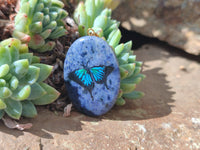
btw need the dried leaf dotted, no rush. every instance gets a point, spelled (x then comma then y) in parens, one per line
(67, 110)
(12, 124)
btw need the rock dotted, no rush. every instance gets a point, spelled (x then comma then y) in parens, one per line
(92, 75)
(167, 118)
(174, 21)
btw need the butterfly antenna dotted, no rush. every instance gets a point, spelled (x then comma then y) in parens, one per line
(87, 63)
(85, 66)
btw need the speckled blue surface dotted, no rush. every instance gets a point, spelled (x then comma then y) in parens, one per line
(92, 51)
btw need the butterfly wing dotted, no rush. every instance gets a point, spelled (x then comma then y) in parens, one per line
(83, 78)
(100, 73)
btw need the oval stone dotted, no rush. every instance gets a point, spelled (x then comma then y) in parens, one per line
(92, 76)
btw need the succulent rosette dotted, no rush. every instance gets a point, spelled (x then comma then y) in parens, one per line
(38, 22)
(94, 16)
(21, 81)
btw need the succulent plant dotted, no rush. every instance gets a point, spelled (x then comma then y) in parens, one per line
(107, 3)
(38, 22)
(21, 81)
(112, 4)
(91, 16)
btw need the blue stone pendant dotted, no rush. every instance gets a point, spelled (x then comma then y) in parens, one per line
(92, 76)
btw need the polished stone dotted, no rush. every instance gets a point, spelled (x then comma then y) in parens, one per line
(92, 76)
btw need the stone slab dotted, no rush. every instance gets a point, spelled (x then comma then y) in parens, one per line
(174, 21)
(167, 118)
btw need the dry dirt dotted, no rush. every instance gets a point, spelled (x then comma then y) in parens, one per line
(167, 118)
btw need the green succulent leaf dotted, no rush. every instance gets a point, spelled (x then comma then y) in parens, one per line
(114, 38)
(59, 31)
(36, 41)
(36, 92)
(13, 109)
(46, 19)
(134, 95)
(110, 29)
(39, 7)
(2, 105)
(2, 82)
(21, 36)
(120, 93)
(28, 56)
(23, 48)
(11, 42)
(123, 58)
(119, 49)
(28, 109)
(21, 93)
(49, 45)
(129, 67)
(49, 97)
(14, 82)
(127, 47)
(127, 87)
(100, 22)
(38, 17)
(4, 69)
(57, 3)
(36, 27)
(7, 77)
(20, 67)
(81, 17)
(134, 79)
(138, 64)
(45, 34)
(13, 52)
(5, 92)
(5, 57)
(1, 114)
(31, 76)
(45, 71)
(25, 7)
(137, 71)
(21, 21)
(120, 101)
(132, 59)
(123, 73)
(35, 59)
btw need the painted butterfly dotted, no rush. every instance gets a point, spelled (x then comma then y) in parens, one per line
(86, 77)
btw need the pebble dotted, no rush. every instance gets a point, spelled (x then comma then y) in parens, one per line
(92, 76)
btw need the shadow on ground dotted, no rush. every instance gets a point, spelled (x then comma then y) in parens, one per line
(156, 103)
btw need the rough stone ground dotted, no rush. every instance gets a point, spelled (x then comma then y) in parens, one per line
(168, 20)
(167, 118)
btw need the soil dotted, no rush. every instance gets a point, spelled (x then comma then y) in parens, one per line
(167, 118)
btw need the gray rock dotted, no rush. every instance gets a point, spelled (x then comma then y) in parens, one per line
(174, 21)
(167, 118)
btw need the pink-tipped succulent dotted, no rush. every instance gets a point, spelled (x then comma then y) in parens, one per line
(38, 22)
(21, 81)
